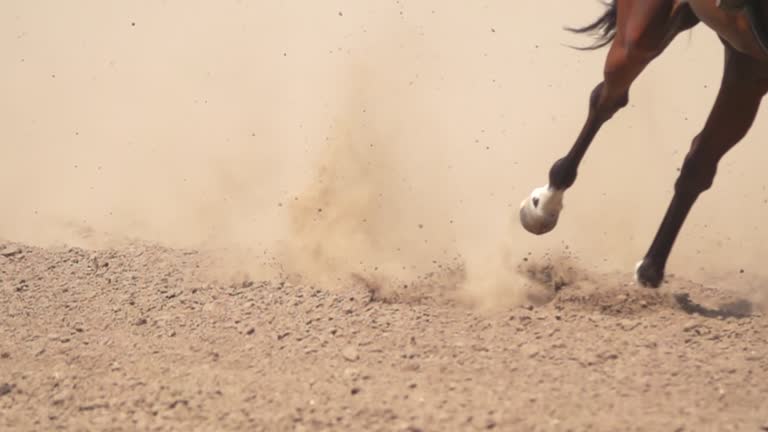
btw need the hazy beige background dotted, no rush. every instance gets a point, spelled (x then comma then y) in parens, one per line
(203, 123)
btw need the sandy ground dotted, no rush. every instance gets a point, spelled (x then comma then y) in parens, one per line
(295, 215)
(133, 339)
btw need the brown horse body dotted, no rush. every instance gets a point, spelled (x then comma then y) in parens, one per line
(638, 31)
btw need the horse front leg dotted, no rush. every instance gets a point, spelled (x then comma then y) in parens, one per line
(644, 28)
(540, 211)
(744, 83)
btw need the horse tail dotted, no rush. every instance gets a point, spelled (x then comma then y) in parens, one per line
(604, 27)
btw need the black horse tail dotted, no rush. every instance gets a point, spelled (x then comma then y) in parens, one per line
(604, 27)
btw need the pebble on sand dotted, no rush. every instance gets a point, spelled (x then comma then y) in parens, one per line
(9, 251)
(350, 353)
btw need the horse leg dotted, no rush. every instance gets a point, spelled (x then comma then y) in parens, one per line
(644, 28)
(743, 85)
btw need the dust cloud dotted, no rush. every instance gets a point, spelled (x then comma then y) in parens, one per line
(390, 139)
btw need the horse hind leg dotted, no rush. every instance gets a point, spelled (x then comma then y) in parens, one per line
(744, 83)
(642, 32)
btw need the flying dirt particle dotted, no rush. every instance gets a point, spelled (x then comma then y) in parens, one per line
(350, 353)
(421, 226)
(133, 24)
(140, 322)
(493, 30)
(741, 271)
(5, 355)
(341, 14)
(53, 75)
(6, 388)
(355, 390)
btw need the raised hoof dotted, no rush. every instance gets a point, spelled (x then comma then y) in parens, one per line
(648, 274)
(540, 211)
(536, 222)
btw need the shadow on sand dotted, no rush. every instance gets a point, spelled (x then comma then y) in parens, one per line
(735, 309)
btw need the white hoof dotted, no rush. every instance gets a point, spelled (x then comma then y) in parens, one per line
(539, 212)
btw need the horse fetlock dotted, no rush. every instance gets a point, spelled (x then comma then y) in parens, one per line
(563, 174)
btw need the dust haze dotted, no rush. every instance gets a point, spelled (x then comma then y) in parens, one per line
(389, 139)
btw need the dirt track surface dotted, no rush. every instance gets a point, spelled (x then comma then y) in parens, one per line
(136, 339)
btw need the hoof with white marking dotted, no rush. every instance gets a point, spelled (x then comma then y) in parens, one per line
(540, 211)
(648, 274)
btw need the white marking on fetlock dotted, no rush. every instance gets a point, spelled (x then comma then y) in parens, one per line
(540, 211)
(646, 283)
(637, 267)
(550, 200)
